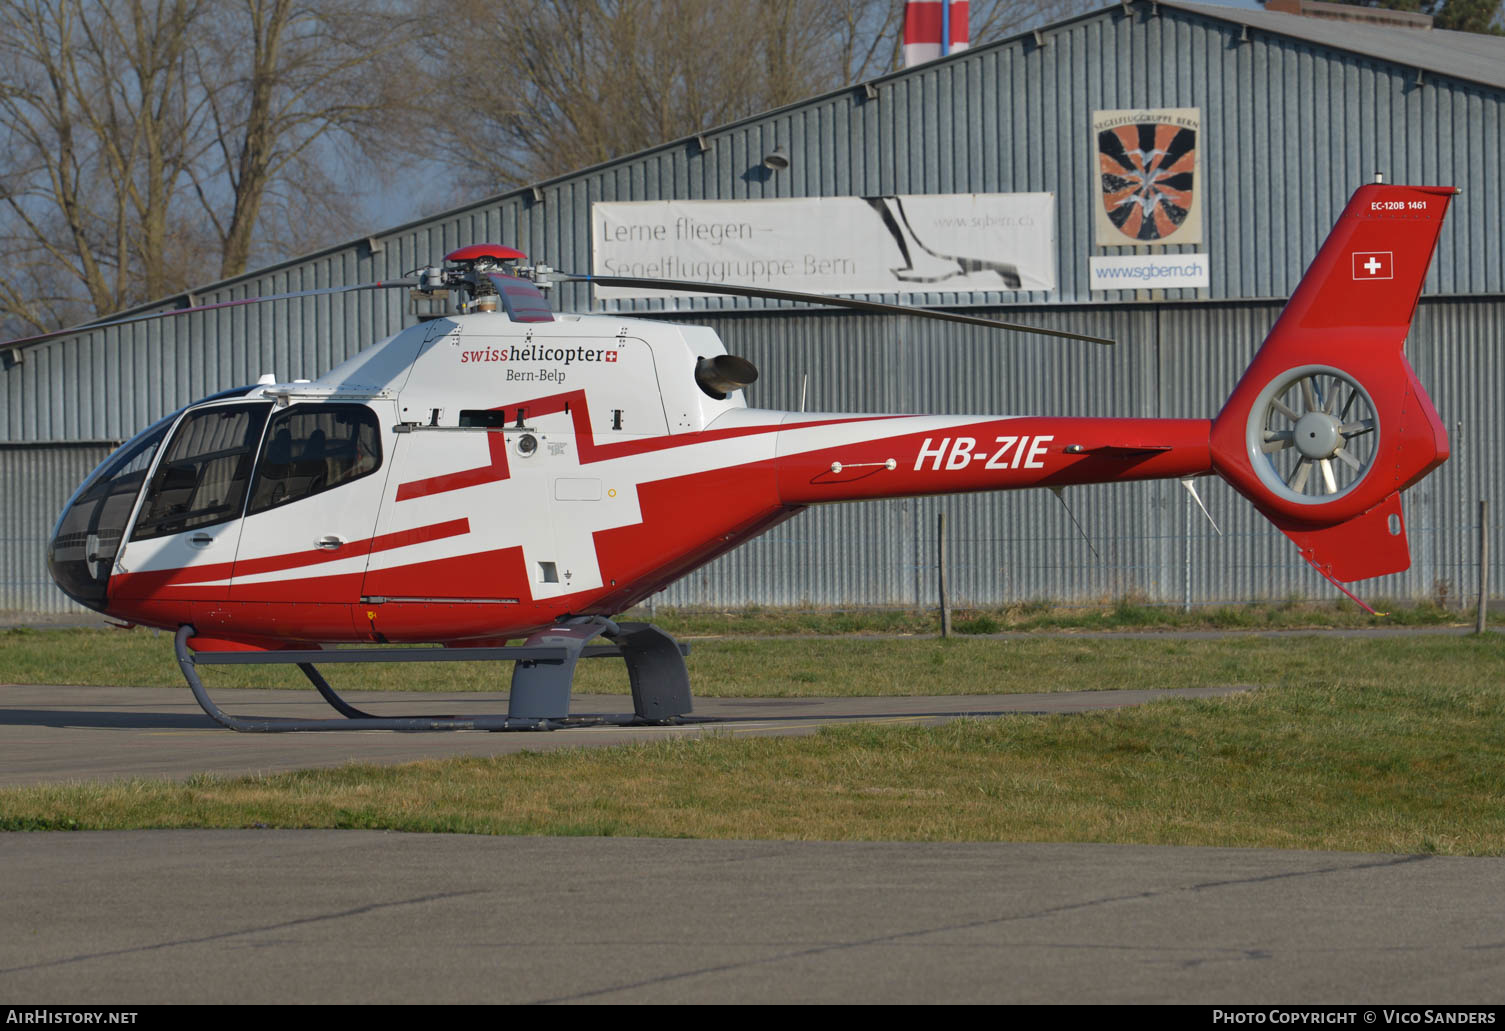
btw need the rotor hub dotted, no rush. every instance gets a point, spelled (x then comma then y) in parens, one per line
(1318, 435)
(469, 270)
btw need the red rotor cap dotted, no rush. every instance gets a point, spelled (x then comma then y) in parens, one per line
(486, 250)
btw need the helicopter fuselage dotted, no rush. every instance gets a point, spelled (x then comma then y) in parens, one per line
(474, 478)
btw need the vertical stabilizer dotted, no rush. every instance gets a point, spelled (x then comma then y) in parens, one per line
(1329, 422)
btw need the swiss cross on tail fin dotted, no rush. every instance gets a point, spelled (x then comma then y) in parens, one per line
(1373, 266)
(1329, 422)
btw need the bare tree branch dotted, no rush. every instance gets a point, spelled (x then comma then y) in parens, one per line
(596, 79)
(112, 112)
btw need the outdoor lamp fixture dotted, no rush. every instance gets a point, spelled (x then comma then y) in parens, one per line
(778, 160)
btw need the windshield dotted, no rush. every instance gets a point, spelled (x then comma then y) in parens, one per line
(88, 532)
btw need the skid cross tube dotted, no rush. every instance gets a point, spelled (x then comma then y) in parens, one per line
(541, 681)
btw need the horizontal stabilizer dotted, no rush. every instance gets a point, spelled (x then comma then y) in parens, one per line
(1118, 450)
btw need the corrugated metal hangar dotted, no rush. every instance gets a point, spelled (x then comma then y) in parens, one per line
(1294, 113)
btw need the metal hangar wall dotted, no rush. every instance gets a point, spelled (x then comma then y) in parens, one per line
(1295, 113)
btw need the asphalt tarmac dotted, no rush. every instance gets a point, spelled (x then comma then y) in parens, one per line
(264, 916)
(50, 734)
(356, 916)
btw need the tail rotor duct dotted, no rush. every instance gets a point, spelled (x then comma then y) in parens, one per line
(1313, 434)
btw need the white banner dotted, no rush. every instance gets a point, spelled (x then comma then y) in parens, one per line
(832, 245)
(1149, 272)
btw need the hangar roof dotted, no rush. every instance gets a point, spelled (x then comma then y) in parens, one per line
(1472, 56)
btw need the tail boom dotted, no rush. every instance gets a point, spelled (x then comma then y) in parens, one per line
(923, 455)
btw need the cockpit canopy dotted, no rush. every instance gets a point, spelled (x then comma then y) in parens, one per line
(217, 462)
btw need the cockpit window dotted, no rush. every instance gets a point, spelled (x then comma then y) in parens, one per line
(311, 448)
(88, 533)
(202, 477)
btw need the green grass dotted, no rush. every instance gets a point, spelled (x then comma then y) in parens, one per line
(1402, 766)
(1390, 745)
(1124, 614)
(826, 667)
(1128, 613)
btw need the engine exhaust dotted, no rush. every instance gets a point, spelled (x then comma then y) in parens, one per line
(724, 373)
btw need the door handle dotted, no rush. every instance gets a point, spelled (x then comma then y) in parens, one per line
(201, 540)
(330, 542)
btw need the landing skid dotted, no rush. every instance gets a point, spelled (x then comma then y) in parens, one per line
(541, 681)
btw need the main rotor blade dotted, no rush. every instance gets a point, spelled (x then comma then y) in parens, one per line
(390, 284)
(838, 302)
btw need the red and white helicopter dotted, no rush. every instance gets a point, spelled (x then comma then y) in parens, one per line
(510, 472)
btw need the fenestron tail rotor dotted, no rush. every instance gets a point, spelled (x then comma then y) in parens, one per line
(1313, 434)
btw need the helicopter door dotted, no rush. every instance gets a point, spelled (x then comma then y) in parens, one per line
(182, 545)
(313, 504)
